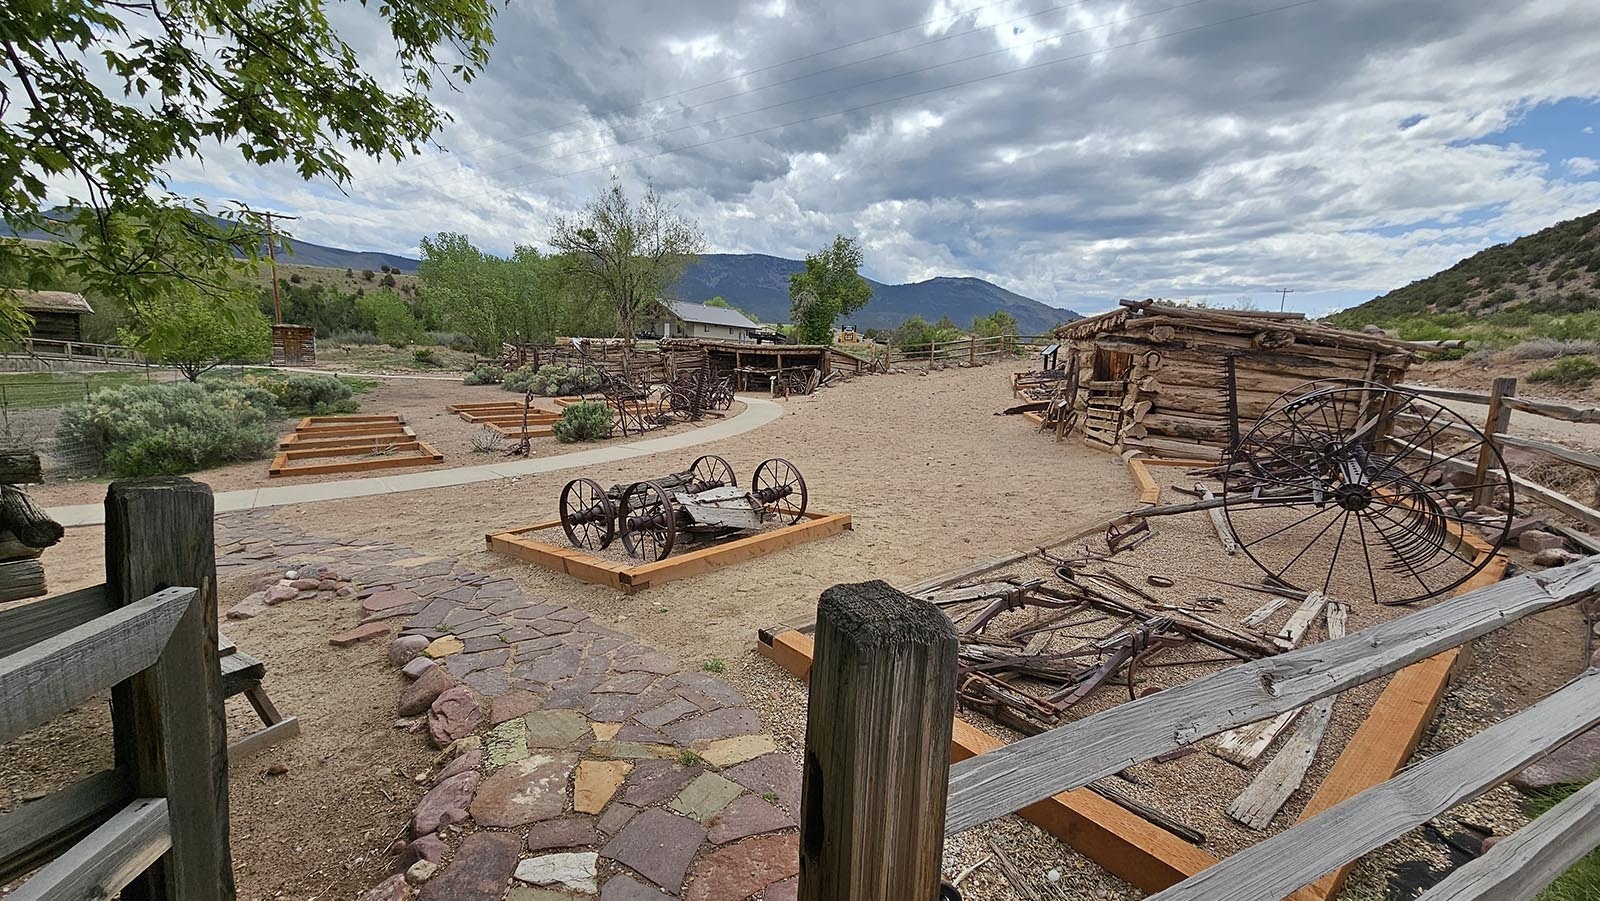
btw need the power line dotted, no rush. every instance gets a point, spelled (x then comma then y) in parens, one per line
(767, 68)
(840, 90)
(924, 92)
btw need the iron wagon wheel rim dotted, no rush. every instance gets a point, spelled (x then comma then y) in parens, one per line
(648, 499)
(1307, 388)
(775, 473)
(583, 495)
(710, 470)
(1418, 536)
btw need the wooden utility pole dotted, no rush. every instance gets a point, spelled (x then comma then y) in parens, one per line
(877, 764)
(272, 259)
(1283, 297)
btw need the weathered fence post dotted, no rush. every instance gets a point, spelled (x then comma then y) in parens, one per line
(1499, 420)
(972, 351)
(877, 763)
(170, 733)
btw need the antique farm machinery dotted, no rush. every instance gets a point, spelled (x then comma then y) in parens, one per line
(1363, 490)
(704, 499)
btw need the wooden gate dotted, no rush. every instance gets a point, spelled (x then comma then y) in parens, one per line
(1105, 392)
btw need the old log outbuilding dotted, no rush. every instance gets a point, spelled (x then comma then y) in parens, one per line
(1179, 380)
(57, 315)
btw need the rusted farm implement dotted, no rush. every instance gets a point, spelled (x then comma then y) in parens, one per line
(703, 499)
(1348, 476)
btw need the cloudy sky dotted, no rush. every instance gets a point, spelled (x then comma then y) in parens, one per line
(1075, 152)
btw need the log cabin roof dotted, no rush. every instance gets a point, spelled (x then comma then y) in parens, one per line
(51, 302)
(1140, 314)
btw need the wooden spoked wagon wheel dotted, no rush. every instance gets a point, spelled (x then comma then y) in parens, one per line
(1354, 485)
(781, 489)
(711, 471)
(587, 514)
(648, 521)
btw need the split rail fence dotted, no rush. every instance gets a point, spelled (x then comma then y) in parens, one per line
(82, 352)
(155, 825)
(1501, 401)
(973, 351)
(879, 792)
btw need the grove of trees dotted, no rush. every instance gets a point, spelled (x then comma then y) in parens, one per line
(528, 297)
(829, 287)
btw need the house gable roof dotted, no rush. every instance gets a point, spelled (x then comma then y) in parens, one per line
(52, 302)
(704, 315)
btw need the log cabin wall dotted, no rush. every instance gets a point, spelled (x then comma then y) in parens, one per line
(1172, 363)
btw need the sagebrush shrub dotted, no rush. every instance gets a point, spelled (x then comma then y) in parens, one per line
(485, 374)
(1568, 371)
(170, 429)
(319, 395)
(587, 421)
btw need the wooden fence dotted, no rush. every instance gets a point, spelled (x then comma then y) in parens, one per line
(83, 352)
(973, 351)
(155, 826)
(1501, 401)
(879, 725)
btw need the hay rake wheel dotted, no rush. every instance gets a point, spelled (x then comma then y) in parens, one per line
(1348, 483)
(588, 515)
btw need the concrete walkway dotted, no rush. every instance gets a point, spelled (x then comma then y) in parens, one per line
(757, 413)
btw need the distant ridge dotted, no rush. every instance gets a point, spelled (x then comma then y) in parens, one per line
(759, 285)
(1556, 271)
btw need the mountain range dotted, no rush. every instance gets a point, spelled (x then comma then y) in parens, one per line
(758, 284)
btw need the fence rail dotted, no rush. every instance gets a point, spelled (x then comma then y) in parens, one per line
(1012, 777)
(1497, 428)
(972, 350)
(157, 823)
(82, 351)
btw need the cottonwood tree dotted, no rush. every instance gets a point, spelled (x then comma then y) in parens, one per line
(99, 98)
(528, 298)
(829, 287)
(631, 252)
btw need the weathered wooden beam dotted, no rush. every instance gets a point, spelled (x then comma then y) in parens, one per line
(30, 624)
(38, 830)
(1293, 858)
(20, 467)
(1282, 776)
(106, 859)
(54, 675)
(1076, 754)
(1584, 459)
(1519, 867)
(21, 579)
(1499, 420)
(877, 747)
(169, 727)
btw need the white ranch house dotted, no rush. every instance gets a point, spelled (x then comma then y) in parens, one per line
(693, 320)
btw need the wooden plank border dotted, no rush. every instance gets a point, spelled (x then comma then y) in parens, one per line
(629, 579)
(424, 455)
(302, 440)
(1138, 851)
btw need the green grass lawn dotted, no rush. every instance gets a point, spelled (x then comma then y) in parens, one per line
(1581, 882)
(45, 390)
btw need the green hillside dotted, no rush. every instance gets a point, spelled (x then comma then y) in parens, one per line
(1544, 285)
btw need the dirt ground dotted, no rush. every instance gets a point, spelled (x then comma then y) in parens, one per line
(933, 480)
(421, 401)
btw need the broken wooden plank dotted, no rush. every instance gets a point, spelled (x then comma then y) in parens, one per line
(1245, 746)
(1287, 861)
(1265, 796)
(1264, 612)
(1230, 544)
(1289, 636)
(1034, 768)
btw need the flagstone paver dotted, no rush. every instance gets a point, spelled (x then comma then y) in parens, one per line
(565, 740)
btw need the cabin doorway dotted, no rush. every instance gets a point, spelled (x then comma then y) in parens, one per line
(1105, 393)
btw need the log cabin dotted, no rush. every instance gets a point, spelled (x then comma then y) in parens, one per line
(57, 315)
(1164, 379)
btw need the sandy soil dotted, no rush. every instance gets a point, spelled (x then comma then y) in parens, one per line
(933, 479)
(421, 401)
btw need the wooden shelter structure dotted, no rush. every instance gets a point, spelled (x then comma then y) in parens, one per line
(1172, 379)
(294, 345)
(760, 366)
(57, 315)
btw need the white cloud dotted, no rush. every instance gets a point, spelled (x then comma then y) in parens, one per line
(1192, 158)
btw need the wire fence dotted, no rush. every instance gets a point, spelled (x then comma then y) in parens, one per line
(31, 408)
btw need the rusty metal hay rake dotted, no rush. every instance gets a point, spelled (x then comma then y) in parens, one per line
(1344, 481)
(703, 499)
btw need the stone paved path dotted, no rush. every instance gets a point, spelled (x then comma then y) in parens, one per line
(577, 762)
(757, 413)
